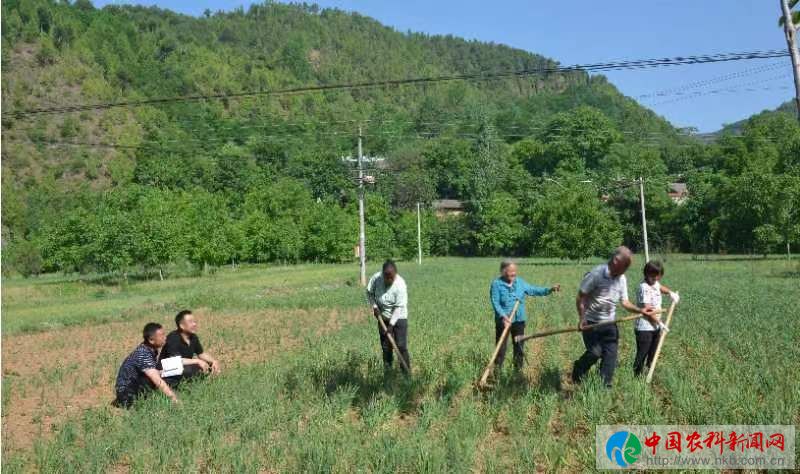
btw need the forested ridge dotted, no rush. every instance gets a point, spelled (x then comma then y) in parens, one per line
(544, 164)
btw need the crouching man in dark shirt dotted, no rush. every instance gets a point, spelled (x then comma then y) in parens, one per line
(184, 342)
(138, 375)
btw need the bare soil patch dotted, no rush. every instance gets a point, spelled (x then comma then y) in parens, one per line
(50, 376)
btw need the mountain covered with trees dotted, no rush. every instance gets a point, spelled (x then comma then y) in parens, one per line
(786, 108)
(229, 169)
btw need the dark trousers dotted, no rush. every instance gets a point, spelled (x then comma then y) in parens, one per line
(139, 389)
(189, 372)
(646, 343)
(517, 329)
(601, 344)
(400, 334)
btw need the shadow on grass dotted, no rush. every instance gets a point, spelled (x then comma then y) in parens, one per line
(785, 275)
(368, 379)
(550, 380)
(510, 384)
(116, 279)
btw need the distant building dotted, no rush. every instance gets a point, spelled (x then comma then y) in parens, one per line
(448, 207)
(678, 192)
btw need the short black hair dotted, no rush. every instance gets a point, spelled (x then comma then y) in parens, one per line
(389, 264)
(653, 267)
(181, 314)
(150, 330)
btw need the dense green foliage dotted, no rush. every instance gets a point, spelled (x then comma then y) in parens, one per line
(259, 179)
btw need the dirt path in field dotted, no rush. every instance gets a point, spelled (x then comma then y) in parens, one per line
(51, 376)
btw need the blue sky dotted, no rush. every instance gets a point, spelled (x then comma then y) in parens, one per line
(584, 32)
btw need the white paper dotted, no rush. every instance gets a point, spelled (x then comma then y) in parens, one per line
(171, 366)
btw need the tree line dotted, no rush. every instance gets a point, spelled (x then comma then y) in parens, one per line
(537, 196)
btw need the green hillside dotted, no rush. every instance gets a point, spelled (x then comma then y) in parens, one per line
(57, 54)
(787, 108)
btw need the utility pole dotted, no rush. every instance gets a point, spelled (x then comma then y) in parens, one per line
(644, 220)
(419, 236)
(362, 245)
(362, 179)
(790, 30)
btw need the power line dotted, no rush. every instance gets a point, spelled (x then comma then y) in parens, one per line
(715, 80)
(721, 91)
(593, 67)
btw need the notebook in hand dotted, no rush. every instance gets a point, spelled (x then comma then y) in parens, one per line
(171, 366)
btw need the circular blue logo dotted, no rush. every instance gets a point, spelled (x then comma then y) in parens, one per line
(623, 448)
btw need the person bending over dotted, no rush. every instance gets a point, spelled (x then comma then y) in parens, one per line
(387, 293)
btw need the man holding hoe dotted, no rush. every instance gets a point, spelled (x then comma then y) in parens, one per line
(388, 297)
(600, 291)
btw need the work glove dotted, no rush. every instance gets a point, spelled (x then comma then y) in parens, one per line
(674, 296)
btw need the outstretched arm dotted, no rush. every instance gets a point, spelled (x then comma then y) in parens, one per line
(672, 294)
(647, 310)
(533, 290)
(197, 361)
(159, 383)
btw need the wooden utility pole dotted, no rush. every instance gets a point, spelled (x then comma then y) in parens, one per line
(790, 30)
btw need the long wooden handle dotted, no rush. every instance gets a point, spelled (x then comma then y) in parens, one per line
(500, 343)
(392, 342)
(661, 338)
(591, 327)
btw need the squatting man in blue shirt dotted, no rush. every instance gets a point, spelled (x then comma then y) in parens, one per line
(505, 291)
(138, 374)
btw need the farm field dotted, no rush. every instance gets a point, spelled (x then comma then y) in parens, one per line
(303, 387)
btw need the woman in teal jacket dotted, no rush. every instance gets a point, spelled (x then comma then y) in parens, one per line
(505, 291)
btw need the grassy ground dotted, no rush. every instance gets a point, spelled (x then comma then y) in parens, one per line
(52, 302)
(324, 404)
